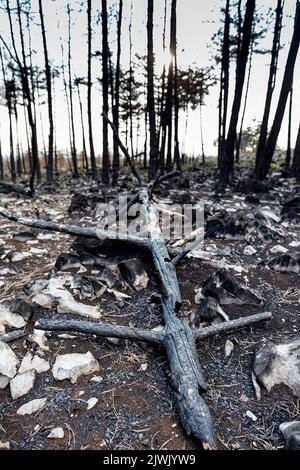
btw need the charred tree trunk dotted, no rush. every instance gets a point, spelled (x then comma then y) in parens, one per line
(227, 162)
(85, 163)
(150, 95)
(73, 148)
(289, 140)
(105, 89)
(264, 164)
(1, 162)
(271, 85)
(224, 84)
(26, 89)
(239, 140)
(8, 97)
(49, 97)
(296, 160)
(177, 159)
(89, 91)
(116, 110)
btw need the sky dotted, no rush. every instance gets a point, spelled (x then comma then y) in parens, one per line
(197, 20)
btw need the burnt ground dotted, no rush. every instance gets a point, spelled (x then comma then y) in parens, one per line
(136, 407)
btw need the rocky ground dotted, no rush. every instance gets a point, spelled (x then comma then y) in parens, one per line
(125, 399)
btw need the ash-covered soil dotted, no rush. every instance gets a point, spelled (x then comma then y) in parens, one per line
(136, 408)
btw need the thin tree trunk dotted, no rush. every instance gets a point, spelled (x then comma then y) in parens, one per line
(49, 98)
(105, 88)
(26, 88)
(296, 160)
(227, 162)
(150, 95)
(224, 88)
(239, 140)
(9, 108)
(271, 86)
(201, 135)
(73, 150)
(289, 143)
(89, 92)
(264, 164)
(177, 159)
(116, 110)
(131, 83)
(85, 163)
(1, 162)
(162, 127)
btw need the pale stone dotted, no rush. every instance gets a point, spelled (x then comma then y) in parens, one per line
(8, 364)
(32, 407)
(56, 433)
(22, 384)
(72, 366)
(33, 362)
(13, 320)
(91, 403)
(229, 348)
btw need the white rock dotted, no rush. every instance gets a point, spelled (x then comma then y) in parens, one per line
(249, 250)
(252, 416)
(278, 249)
(8, 365)
(144, 367)
(55, 294)
(39, 337)
(56, 433)
(13, 320)
(4, 445)
(17, 256)
(32, 406)
(229, 348)
(294, 244)
(276, 364)
(91, 403)
(97, 379)
(72, 366)
(33, 362)
(21, 384)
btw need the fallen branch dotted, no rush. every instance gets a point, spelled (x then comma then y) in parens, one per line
(100, 234)
(124, 150)
(12, 336)
(232, 325)
(6, 187)
(100, 329)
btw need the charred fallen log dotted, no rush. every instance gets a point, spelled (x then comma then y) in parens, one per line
(6, 188)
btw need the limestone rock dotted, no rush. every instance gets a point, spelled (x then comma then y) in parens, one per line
(72, 366)
(8, 365)
(32, 406)
(21, 384)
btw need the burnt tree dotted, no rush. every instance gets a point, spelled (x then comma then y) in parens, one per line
(264, 164)
(227, 160)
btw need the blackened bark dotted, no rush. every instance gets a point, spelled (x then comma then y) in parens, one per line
(224, 85)
(296, 160)
(89, 91)
(73, 138)
(116, 110)
(289, 140)
(8, 97)
(49, 97)
(105, 88)
(264, 164)
(150, 95)
(271, 85)
(227, 162)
